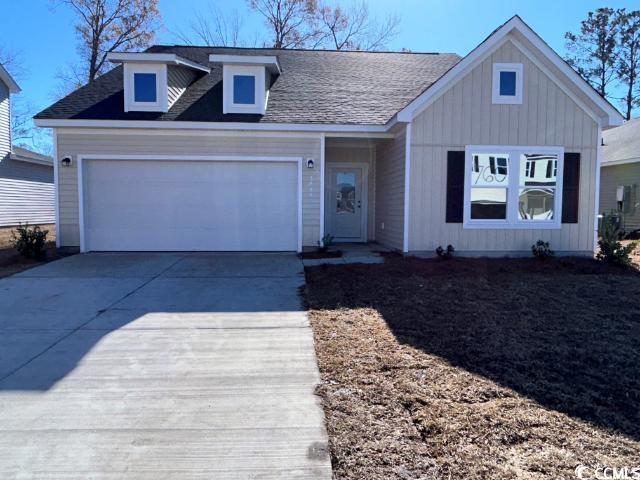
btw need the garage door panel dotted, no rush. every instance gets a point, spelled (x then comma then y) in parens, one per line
(171, 205)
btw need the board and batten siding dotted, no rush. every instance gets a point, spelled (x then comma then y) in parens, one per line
(621, 175)
(390, 166)
(26, 193)
(5, 121)
(74, 144)
(465, 115)
(178, 79)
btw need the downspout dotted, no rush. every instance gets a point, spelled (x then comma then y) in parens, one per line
(597, 190)
(407, 186)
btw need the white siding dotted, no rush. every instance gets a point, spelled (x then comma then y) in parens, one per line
(624, 175)
(465, 115)
(26, 193)
(178, 79)
(390, 165)
(357, 153)
(5, 121)
(178, 144)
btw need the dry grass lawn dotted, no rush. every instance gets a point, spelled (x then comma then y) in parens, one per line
(477, 369)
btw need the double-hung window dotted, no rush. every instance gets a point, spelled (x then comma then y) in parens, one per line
(512, 187)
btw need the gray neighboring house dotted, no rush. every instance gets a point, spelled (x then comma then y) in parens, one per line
(206, 148)
(27, 193)
(620, 174)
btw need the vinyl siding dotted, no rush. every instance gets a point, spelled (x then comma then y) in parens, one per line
(356, 154)
(5, 121)
(26, 193)
(465, 115)
(167, 144)
(390, 165)
(626, 175)
(178, 79)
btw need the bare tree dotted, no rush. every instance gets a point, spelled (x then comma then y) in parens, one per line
(214, 27)
(628, 64)
(593, 50)
(292, 23)
(354, 29)
(107, 25)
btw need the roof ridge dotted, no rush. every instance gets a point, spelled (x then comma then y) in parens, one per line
(328, 50)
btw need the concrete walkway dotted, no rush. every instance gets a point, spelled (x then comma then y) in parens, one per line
(159, 366)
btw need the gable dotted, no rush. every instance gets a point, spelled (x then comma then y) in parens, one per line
(465, 113)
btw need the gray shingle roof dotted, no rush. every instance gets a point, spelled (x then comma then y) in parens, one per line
(315, 86)
(622, 143)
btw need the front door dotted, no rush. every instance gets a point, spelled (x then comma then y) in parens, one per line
(345, 204)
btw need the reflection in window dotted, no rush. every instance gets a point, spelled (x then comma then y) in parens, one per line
(345, 193)
(490, 170)
(537, 186)
(489, 203)
(536, 203)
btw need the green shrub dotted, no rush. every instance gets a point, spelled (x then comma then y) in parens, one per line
(611, 250)
(325, 243)
(445, 254)
(541, 250)
(29, 241)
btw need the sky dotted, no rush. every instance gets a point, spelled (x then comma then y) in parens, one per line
(42, 33)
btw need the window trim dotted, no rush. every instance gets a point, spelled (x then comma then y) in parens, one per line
(512, 221)
(495, 92)
(260, 96)
(161, 103)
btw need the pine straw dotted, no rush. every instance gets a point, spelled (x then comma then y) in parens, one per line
(477, 369)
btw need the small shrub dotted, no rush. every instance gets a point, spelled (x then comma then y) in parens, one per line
(325, 243)
(541, 250)
(29, 241)
(445, 254)
(611, 250)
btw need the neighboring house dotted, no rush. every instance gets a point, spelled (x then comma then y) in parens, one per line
(202, 148)
(26, 178)
(620, 174)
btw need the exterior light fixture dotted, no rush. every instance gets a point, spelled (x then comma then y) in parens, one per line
(309, 162)
(66, 161)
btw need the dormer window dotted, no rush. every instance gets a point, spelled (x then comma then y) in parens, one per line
(145, 89)
(507, 83)
(246, 80)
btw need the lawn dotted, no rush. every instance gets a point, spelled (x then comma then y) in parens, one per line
(477, 368)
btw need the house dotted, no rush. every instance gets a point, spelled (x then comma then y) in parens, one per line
(26, 177)
(204, 148)
(620, 174)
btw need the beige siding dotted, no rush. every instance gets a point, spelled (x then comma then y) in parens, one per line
(167, 144)
(465, 115)
(355, 153)
(178, 79)
(5, 121)
(390, 165)
(624, 175)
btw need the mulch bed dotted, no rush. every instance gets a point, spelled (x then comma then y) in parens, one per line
(477, 368)
(319, 254)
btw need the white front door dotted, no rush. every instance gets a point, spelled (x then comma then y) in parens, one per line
(345, 203)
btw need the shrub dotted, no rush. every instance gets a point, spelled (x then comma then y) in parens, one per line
(326, 242)
(445, 254)
(541, 250)
(29, 241)
(611, 250)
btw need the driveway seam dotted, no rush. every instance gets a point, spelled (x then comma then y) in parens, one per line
(100, 312)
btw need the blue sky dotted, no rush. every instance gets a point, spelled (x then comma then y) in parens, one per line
(46, 41)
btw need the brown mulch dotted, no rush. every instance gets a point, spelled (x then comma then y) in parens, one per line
(12, 262)
(477, 368)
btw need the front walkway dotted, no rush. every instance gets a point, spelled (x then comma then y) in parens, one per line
(152, 366)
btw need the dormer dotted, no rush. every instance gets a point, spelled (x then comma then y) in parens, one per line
(153, 82)
(246, 80)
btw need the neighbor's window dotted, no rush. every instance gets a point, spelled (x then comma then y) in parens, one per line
(507, 83)
(244, 89)
(144, 87)
(512, 187)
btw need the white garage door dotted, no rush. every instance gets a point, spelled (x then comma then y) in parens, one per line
(150, 205)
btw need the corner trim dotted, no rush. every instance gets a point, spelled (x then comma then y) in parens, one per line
(407, 188)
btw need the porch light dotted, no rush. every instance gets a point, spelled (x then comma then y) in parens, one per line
(310, 163)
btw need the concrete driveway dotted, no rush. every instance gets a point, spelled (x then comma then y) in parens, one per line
(158, 366)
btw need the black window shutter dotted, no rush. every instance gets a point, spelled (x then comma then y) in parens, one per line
(570, 188)
(455, 187)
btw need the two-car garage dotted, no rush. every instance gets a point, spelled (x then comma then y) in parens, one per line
(160, 203)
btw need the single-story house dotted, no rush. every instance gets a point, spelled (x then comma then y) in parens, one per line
(620, 174)
(206, 148)
(26, 177)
